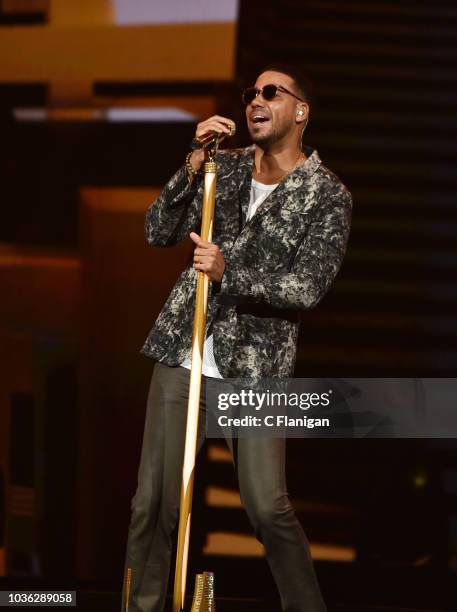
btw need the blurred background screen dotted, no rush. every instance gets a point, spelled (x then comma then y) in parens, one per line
(174, 11)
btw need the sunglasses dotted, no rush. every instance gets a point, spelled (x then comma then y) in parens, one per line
(268, 93)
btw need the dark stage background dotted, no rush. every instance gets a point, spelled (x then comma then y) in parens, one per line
(80, 290)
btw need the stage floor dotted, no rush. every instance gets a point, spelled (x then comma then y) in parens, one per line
(248, 587)
(98, 601)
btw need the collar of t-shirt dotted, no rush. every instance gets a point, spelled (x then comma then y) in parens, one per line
(259, 192)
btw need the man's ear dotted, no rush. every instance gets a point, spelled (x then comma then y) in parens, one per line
(302, 112)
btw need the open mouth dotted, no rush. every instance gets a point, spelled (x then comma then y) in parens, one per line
(257, 118)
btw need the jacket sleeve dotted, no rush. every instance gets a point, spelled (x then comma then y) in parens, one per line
(314, 268)
(176, 212)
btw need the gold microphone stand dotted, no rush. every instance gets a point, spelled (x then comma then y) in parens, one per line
(203, 600)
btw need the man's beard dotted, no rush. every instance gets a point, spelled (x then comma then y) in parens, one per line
(265, 141)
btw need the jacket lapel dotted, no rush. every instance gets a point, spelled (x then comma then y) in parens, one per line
(297, 179)
(245, 165)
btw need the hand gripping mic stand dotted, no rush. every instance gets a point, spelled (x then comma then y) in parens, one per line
(203, 600)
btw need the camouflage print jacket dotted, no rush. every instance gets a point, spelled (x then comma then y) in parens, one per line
(280, 262)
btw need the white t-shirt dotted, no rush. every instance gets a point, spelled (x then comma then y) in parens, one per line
(259, 193)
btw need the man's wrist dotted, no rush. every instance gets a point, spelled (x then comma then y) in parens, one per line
(197, 157)
(193, 165)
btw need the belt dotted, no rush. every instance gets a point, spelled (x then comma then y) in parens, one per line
(246, 305)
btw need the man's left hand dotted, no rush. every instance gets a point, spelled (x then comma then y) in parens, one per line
(208, 258)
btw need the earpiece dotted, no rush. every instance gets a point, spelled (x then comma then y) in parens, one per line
(300, 112)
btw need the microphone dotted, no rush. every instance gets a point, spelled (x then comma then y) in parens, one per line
(209, 139)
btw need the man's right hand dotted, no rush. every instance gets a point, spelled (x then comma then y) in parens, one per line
(216, 123)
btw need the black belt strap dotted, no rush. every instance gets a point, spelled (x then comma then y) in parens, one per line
(246, 305)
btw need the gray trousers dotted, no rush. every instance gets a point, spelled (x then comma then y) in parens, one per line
(260, 468)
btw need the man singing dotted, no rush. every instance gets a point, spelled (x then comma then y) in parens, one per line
(280, 232)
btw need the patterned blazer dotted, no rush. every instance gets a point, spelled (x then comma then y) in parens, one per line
(280, 262)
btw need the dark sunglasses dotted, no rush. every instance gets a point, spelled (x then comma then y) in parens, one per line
(268, 93)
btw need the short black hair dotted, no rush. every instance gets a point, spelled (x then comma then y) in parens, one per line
(304, 86)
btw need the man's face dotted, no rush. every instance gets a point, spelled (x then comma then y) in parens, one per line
(270, 121)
